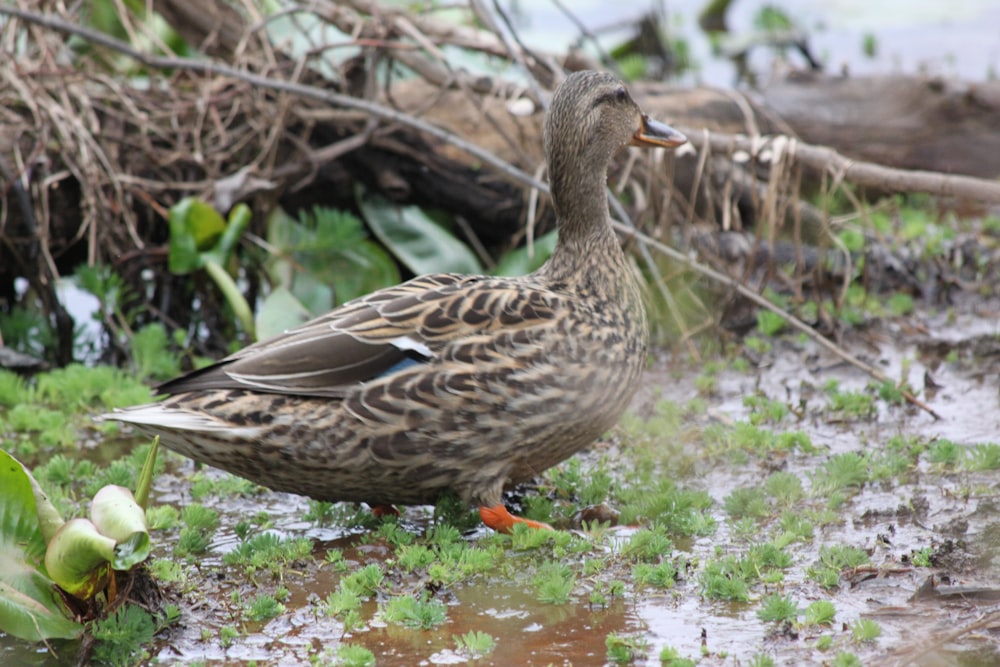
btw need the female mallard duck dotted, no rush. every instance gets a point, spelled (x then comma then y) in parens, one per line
(447, 382)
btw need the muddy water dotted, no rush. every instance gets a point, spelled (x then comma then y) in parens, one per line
(880, 519)
(955, 513)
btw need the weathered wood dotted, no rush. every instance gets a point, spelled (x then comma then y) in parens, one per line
(910, 122)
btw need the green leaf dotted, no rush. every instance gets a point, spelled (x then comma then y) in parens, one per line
(194, 227)
(145, 481)
(279, 312)
(29, 606)
(520, 261)
(239, 220)
(325, 258)
(416, 240)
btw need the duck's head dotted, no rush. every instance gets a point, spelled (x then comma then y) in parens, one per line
(591, 116)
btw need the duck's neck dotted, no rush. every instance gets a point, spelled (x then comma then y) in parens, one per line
(585, 235)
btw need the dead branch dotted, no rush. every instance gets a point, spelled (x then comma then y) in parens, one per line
(865, 174)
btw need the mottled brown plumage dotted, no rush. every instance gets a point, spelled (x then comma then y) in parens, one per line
(446, 382)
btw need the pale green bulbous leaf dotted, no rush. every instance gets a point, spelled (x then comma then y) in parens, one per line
(116, 514)
(416, 240)
(30, 608)
(78, 558)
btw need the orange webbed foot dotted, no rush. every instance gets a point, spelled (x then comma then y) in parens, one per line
(502, 521)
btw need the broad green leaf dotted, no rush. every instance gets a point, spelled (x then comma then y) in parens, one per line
(29, 606)
(520, 262)
(326, 258)
(416, 240)
(313, 292)
(279, 312)
(199, 233)
(359, 270)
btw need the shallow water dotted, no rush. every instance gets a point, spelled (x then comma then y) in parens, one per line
(924, 507)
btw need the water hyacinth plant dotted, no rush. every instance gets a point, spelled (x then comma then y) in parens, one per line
(41, 551)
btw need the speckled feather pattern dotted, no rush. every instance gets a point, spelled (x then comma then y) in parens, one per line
(444, 383)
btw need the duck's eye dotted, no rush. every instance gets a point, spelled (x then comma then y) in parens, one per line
(618, 96)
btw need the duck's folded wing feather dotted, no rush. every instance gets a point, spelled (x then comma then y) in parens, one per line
(375, 335)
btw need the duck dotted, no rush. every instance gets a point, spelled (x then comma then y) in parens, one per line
(447, 383)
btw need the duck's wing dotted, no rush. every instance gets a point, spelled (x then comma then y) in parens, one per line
(376, 335)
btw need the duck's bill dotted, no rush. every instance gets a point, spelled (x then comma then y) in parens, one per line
(655, 133)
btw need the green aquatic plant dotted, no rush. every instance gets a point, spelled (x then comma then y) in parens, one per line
(820, 612)
(626, 649)
(865, 630)
(475, 643)
(352, 655)
(660, 575)
(422, 613)
(268, 552)
(554, 583)
(777, 608)
(80, 556)
(200, 524)
(263, 607)
(671, 657)
(122, 636)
